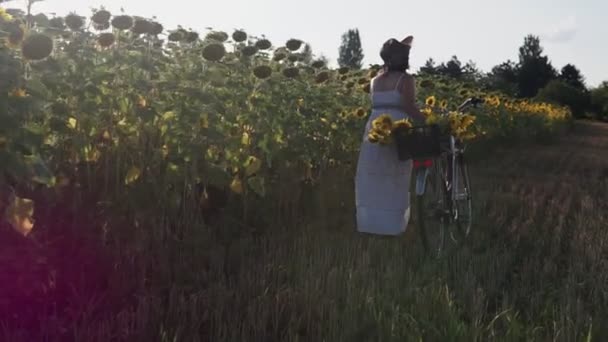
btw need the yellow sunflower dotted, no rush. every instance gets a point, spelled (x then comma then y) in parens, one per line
(431, 101)
(4, 15)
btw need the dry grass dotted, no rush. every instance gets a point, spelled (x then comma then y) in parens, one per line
(536, 268)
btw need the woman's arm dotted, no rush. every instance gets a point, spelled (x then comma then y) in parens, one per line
(409, 96)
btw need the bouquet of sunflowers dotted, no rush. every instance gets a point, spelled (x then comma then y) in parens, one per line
(383, 128)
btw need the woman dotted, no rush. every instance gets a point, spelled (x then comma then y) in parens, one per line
(382, 181)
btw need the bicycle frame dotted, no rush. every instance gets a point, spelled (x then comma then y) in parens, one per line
(454, 152)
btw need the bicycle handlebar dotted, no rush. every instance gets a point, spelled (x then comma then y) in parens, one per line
(473, 101)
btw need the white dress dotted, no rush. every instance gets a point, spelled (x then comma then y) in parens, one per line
(382, 182)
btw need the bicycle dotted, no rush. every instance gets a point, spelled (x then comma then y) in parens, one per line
(443, 187)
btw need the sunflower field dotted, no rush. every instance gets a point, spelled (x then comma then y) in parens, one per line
(146, 133)
(116, 103)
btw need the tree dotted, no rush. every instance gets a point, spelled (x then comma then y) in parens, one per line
(429, 68)
(453, 68)
(572, 75)
(470, 72)
(562, 93)
(351, 52)
(535, 70)
(599, 100)
(504, 77)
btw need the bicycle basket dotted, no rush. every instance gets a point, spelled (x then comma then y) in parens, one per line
(417, 142)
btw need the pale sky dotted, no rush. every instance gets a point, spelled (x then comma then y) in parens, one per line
(487, 32)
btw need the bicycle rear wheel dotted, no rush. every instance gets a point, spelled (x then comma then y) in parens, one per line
(462, 200)
(431, 203)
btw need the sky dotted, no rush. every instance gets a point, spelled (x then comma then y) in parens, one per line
(487, 32)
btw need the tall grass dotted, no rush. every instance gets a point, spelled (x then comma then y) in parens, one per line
(534, 269)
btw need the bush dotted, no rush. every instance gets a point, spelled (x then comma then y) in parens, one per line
(561, 93)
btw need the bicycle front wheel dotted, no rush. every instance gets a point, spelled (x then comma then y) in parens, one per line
(432, 208)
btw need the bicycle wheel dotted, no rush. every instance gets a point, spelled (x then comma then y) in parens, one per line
(431, 207)
(462, 200)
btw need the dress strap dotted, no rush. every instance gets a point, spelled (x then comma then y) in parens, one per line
(398, 85)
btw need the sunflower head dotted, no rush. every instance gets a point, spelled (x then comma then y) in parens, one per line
(37, 46)
(293, 44)
(239, 36)
(214, 52)
(322, 77)
(122, 22)
(262, 71)
(106, 39)
(431, 101)
(218, 36)
(360, 113)
(74, 21)
(101, 17)
(263, 44)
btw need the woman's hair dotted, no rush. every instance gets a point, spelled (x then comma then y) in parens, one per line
(396, 55)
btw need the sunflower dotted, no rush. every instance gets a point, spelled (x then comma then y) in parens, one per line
(403, 124)
(239, 36)
(106, 39)
(443, 104)
(101, 17)
(431, 101)
(360, 113)
(293, 44)
(218, 36)
(262, 71)
(37, 46)
(74, 22)
(322, 77)
(214, 52)
(4, 16)
(263, 44)
(427, 112)
(122, 22)
(383, 123)
(291, 72)
(18, 92)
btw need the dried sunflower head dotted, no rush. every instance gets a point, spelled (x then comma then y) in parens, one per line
(293, 44)
(37, 46)
(218, 36)
(191, 36)
(101, 17)
(106, 39)
(155, 28)
(262, 71)
(214, 52)
(74, 22)
(322, 77)
(239, 36)
(141, 26)
(249, 50)
(291, 72)
(122, 22)
(176, 36)
(263, 44)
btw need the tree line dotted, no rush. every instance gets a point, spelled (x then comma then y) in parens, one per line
(532, 76)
